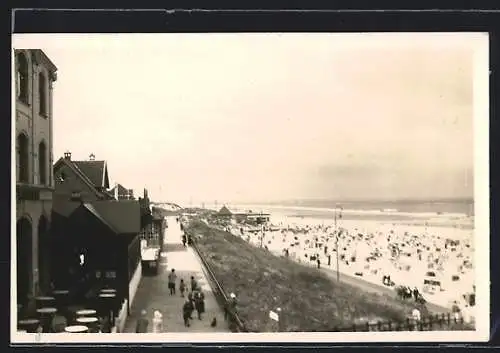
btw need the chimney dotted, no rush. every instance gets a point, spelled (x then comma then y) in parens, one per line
(92, 157)
(67, 155)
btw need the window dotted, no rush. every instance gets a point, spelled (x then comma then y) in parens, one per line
(22, 77)
(62, 177)
(23, 158)
(42, 162)
(42, 94)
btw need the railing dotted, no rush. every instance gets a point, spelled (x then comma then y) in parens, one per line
(219, 292)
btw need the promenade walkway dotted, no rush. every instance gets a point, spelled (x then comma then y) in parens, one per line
(153, 293)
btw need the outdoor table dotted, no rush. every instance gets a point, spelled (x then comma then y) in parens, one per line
(61, 298)
(46, 315)
(30, 325)
(60, 292)
(85, 312)
(43, 301)
(108, 305)
(76, 329)
(90, 322)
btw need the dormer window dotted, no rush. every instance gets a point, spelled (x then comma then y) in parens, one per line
(62, 177)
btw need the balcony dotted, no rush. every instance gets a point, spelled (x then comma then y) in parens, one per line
(33, 192)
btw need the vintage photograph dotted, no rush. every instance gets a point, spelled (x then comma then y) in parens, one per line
(250, 187)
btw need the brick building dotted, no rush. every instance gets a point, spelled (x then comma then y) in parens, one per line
(88, 179)
(34, 77)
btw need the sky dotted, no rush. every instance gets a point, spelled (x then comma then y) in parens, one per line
(266, 117)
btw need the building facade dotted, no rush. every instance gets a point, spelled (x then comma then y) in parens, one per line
(35, 75)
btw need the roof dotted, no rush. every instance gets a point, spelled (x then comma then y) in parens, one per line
(225, 211)
(63, 161)
(64, 207)
(96, 171)
(123, 216)
(96, 213)
(122, 190)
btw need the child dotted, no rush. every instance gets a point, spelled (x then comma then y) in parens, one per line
(182, 287)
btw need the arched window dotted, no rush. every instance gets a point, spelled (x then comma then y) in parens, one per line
(24, 256)
(42, 93)
(42, 162)
(23, 158)
(22, 77)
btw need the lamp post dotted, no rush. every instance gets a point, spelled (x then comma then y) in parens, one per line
(262, 235)
(337, 215)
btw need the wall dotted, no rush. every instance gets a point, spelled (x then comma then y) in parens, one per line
(33, 210)
(37, 128)
(134, 283)
(121, 319)
(29, 120)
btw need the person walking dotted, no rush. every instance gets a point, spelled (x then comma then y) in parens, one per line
(230, 306)
(182, 287)
(318, 261)
(157, 322)
(191, 300)
(172, 278)
(184, 240)
(194, 284)
(142, 323)
(187, 310)
(199, 303)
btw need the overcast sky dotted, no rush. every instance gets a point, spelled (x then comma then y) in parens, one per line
(264, 117)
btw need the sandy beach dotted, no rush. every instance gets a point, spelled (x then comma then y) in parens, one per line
(411, 252)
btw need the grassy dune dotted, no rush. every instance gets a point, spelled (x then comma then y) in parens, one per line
(310, 301)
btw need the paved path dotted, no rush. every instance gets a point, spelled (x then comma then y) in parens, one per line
(153, 293)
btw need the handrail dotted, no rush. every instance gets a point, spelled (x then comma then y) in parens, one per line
(219, 290)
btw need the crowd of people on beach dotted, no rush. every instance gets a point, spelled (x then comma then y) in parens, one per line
(417, 262)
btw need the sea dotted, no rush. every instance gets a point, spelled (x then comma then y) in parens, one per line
(383, 210)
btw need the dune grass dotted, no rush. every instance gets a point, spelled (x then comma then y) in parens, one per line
(309, 300)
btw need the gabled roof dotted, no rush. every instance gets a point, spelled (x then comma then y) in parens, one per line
(123, 216)
(66, 162)
(96, 171)
(122, 191)
(96, 213)
(225, 211)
